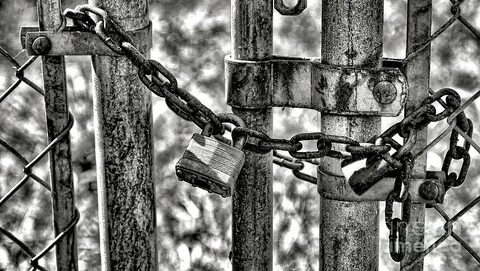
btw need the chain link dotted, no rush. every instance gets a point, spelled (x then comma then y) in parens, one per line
(295, 165)
(457, 153)
(397, 226)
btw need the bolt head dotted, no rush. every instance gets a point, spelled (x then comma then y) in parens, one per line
(385, 92)
(41, 45)
(429, 190)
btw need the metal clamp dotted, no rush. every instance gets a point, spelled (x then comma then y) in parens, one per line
(307, 83)
(430, 189)
(290, 11)
(70, 41)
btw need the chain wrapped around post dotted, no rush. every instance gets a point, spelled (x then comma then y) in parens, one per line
(164, 84)
(380, 161)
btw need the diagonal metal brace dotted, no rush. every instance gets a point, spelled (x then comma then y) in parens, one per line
(71, 41)
(307, 83)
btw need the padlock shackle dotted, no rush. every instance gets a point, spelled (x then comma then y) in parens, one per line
(237, 142)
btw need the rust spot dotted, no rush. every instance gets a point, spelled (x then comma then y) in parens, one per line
(261, 80)
(286, 75)
(390, 76)
(240, 79)
(322, 84)
(351, 53)
(372, 82)
(342, 95)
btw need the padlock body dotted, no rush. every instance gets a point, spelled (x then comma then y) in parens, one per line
(211, 165)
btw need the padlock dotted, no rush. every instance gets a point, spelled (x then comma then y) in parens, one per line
(363, 173)
(362, 176)
(210, 164)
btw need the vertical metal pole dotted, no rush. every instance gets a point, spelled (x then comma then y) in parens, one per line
(351, 35)
(123, 121)
(56, 108)
(419, 21)
(252, 199)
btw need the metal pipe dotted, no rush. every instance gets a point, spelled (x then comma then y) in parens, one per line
(252, 203)
(351, 35)
(419, 22)
(123, 137)
(57, 115)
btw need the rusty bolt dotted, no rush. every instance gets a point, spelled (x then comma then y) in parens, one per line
(385, 92)
(41, 45)
(429, 190)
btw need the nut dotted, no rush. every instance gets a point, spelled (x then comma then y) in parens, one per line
(429, 190)
(41, 45)
(385, 92)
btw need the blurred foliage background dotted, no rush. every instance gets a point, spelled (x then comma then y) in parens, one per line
(191, 38)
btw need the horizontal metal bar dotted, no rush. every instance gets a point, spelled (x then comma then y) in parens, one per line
(70, 41)
(307, 83)
(378, 192)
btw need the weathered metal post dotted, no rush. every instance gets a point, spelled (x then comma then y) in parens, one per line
(123, 138)
(351, 35)
(252, 198)
(419, 22)
(57, 115)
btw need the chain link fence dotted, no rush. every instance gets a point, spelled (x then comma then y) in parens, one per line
(28, 166)
(467, 139)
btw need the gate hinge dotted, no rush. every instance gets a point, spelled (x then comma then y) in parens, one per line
(307, 83)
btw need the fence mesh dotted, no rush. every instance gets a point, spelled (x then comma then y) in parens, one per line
(28, 166)
(29, 175)
(449, 221)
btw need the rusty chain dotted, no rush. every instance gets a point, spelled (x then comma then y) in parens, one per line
(164, 84)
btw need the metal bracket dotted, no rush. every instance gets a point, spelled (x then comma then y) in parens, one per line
(71, 41)
(307, 83)
(427, 190)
